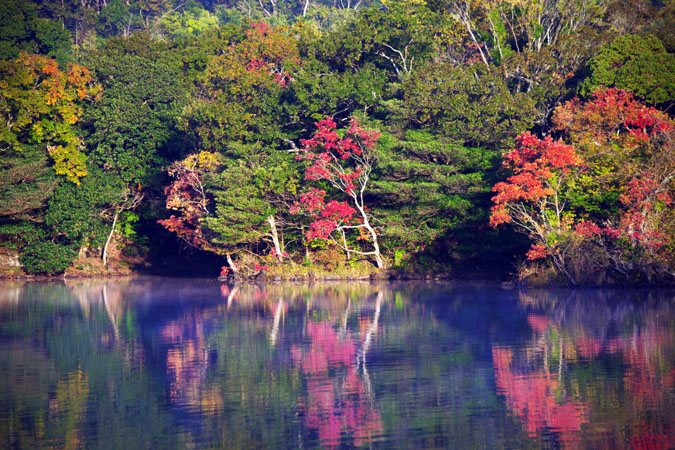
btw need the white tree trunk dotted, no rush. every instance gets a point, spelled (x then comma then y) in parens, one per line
(373, 236)
(344, 242)
(231, 263)
(308, 256)
(275, 237)
(104, 257)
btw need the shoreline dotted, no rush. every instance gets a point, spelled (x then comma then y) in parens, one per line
(384, 275)
(308, 279)
(253, 279)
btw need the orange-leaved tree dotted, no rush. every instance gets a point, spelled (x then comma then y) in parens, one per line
(612, 221)
(40, 104)
(533, 198)
(39, 107)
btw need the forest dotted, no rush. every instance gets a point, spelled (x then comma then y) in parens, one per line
(531, 139)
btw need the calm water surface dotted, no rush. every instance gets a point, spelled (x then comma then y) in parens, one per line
(157, 363)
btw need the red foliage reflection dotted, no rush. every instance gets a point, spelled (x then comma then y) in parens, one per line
(338, 399)
(186, 359)
(649, 385)
(535, 392)
(538, 323)
(533, 397)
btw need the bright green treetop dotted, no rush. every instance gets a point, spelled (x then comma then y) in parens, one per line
(635, 63)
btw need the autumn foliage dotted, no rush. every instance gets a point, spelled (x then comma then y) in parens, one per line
(533, 197)
(328, 216)
(268, 53)
(345, 163)
(611, 117)
(452, 83)
(41, 104)
(628, 167)
(329, 155)
(187, 195)
(540, 168)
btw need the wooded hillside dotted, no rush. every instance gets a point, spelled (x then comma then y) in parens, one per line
(424, 136)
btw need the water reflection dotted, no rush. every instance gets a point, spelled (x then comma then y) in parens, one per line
(533, 392)
(573, 335)
(171, 363)
(339, 394)
(186, 358)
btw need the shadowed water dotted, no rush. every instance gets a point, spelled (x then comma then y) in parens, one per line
(159, 363)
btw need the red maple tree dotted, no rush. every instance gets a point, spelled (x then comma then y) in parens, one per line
(629, 152)
(533, 198)
(345, 163)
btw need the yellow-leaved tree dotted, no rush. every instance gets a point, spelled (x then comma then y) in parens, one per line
(39, 106)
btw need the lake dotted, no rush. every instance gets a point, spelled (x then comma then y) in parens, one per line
(167, 363)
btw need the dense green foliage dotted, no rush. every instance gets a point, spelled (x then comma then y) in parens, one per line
(23, 30)
(46, 257)
(193, 114)
(635, 63)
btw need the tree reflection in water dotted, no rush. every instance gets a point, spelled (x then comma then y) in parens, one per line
(545, 382)
(200, 364)
(186, 359)
(338, 398)
(532, 396)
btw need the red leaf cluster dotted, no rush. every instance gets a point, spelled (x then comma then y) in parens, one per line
(610, 115)
(328, 216)
(641, 198)
(258, 28)
(261, 268)
(343, 162)
(330, 153)
(587, 228)
(535, 163)
(538, 251)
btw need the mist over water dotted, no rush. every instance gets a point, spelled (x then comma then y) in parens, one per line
(166, 363)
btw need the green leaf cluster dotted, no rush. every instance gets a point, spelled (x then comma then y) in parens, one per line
(639, 64)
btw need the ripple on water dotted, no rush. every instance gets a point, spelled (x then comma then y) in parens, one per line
(173, 364)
